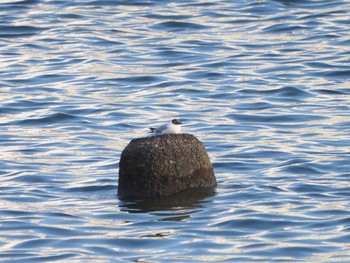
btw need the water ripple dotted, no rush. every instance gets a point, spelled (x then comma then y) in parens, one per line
(18, 31)
(179, 26)
(264, 84)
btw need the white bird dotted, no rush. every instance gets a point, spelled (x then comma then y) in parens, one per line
(169, 128)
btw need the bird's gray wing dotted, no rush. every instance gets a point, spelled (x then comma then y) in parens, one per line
(161, 128)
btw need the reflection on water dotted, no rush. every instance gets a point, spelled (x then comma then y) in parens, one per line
(190, 200)
(264, 84)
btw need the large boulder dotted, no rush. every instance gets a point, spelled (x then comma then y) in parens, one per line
(163, 165)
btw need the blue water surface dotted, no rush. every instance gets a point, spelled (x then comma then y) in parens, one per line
(264, 84)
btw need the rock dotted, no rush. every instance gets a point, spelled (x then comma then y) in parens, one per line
(163, 165)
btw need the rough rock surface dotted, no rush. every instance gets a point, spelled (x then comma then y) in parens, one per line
(164, 165)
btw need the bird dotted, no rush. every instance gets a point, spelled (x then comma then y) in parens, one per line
(169, 128)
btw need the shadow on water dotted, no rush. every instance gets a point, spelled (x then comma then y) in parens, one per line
(187, 200)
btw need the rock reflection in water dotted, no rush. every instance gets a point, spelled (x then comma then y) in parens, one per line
(180, 206)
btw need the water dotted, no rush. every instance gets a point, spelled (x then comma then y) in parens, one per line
(264, 84)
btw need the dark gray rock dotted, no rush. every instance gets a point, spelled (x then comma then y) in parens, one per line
(164, 165)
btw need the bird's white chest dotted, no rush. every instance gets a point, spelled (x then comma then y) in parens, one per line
(171, 128)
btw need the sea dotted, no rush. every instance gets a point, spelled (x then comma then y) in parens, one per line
(264, 84)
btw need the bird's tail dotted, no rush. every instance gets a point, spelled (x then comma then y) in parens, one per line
(152, 130)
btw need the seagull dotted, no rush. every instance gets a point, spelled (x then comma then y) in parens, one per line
(168, 128)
